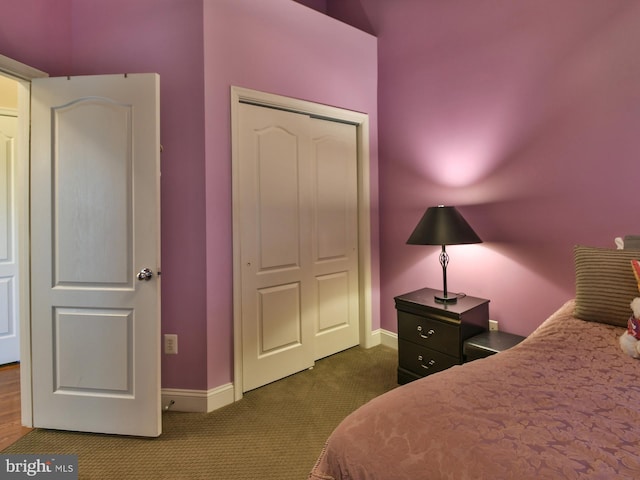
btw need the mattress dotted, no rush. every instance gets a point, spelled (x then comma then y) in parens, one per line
(563, 404)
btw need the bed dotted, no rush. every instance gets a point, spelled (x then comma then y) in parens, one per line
(563, 404)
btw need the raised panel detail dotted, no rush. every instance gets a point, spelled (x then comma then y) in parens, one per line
(333, 301)
(278, 192)
(332, 190)
(7, 327)
(93, 351)
(279, 318)
(92, 218)
(6, 208)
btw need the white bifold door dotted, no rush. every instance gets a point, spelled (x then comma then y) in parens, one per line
(95, 230)
(299, 244)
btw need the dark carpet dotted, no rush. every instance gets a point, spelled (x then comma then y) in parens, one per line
(275, 432)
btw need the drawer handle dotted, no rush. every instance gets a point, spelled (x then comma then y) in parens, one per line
(429, 364)
(429, 333)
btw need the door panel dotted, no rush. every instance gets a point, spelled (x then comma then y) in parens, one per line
(332, 313)
(275, 305)
(103, 338)
(9, 281)
(95, 223)
(93, 179)
(278, 190)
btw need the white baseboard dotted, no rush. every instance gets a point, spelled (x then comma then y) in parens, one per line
(201, 401)
(383, 337)
(372, 341)
(388, 338)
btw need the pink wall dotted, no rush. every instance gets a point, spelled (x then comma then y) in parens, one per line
(163, 36)
(284, 48)
(199, 51)
(166, 37)
(524, 114)
(239, 41)
(37, 33)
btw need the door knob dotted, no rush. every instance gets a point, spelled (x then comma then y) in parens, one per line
(145, 274)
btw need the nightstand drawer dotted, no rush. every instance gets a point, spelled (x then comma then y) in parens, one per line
(429, 332)
(421, 360)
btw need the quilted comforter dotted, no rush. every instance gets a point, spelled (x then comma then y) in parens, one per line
(563, 404)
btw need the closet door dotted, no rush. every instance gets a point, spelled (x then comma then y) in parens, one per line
(334, 236)
(275, 225)
(297, 225)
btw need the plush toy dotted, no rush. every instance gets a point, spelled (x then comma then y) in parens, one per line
(630, 340)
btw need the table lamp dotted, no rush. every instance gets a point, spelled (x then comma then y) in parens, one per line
(443, 226)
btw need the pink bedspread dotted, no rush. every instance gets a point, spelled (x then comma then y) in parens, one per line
(563, 404)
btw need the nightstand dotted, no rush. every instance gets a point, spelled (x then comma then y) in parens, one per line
(489, 343)
(431, 335)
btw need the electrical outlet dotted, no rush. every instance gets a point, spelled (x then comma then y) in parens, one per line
(493, 325)
(171, 343)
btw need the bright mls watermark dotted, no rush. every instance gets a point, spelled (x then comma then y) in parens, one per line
(53, 467)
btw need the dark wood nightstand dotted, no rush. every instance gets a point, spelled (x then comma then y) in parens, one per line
(489, 343)
(431, 335)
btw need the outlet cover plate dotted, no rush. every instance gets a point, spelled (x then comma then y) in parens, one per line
(171, 343)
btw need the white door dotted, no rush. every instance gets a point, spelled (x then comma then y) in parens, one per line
(9, 281)
(94, 225)
(298, 222)
(334, 236)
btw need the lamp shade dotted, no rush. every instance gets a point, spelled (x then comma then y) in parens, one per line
(443, 226)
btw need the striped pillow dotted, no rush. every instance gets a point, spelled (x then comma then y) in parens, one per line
(605, 284)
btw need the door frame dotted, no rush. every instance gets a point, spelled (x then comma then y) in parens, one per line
(23, 74)
(361, 121)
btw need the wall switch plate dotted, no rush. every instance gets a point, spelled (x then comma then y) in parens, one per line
(171, 343)
(493, 325)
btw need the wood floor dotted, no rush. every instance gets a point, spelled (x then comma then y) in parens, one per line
(10, 428)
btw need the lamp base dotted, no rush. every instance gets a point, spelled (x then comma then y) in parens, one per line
(445, 299)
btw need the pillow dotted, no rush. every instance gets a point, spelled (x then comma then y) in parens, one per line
(605, 284)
